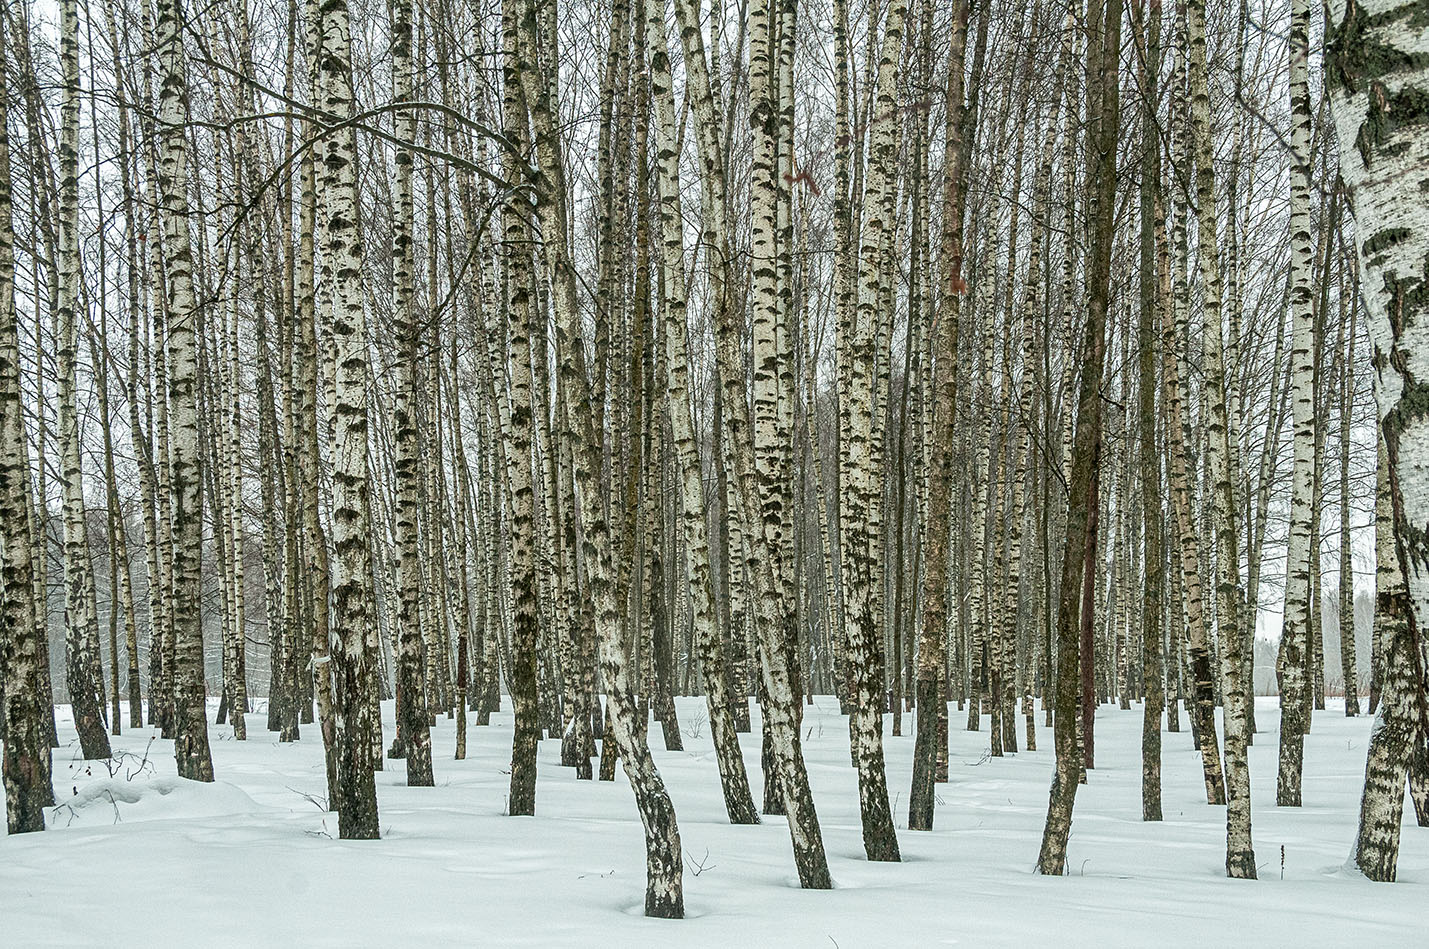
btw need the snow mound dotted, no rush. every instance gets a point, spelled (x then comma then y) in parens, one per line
(107, 801)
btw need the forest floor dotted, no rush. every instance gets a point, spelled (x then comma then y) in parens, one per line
(141, 857)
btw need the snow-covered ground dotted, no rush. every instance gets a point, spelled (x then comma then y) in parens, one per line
(141, 857)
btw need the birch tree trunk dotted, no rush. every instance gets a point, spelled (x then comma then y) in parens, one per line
(1240, 856)
(880, 841)
(1294, 642)
(121, 591)
(1348, 669)
(113, 521)
(314, 533)
(739, 803)
(1398, 725)
(138, 443)
(845, 301)
(37, 503)
(1149, 67)
(352, 660)
(664, 894)
(767, 334)
(1104, 26)
(155, 458)
(932, 651)
(232, 473)
(411, 711)
(1377, 77)
(780, 719)
(1201, 704)
(83, 676)
(190, 726)
(27, 763)
(521, 675)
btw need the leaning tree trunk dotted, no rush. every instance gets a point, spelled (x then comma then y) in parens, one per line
(37, 502)
(664, 894)
(781, 721)
(1102, 108)
(739, 803)
(1377, 77)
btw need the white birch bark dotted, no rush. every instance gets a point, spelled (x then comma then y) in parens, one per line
(27, 763)
(1294, 640)
(1377, 69)
(880, 841)
(83, 676)
(343, 316)
(739, 803)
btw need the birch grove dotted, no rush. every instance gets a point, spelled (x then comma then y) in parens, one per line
(465, 364)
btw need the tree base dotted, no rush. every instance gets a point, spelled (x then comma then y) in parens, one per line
(1241, 865)
(662, 906)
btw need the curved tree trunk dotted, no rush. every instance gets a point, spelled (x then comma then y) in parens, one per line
(664, 894)
(739, 803)
(780, 720)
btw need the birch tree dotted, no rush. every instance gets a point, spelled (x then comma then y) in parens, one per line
(83, 676)
(1292, 663)
(864, 631)
(944, 347)
(664, 895)
(739, 803)
(416, 744)
(27, 765)
(344, 320)
(1240, 857)
(780, 721)
(1104, 22)
(190, 723)
(1377, 69)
